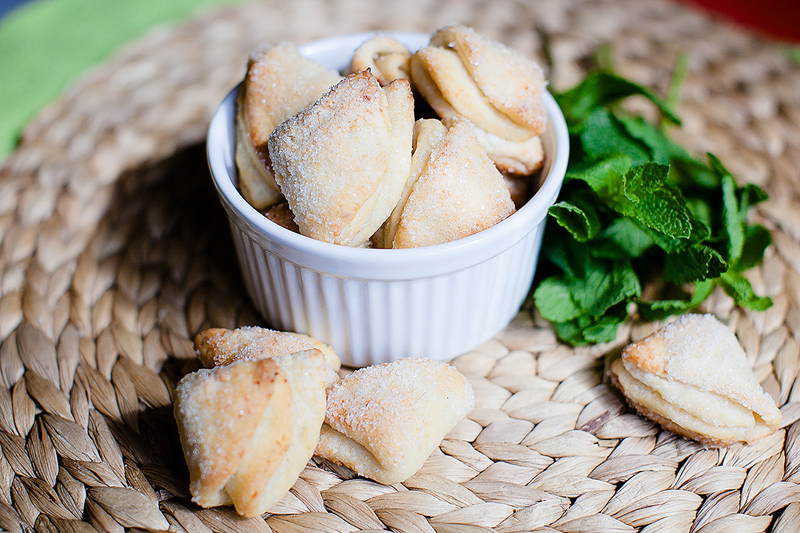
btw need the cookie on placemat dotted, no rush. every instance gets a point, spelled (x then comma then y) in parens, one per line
(383, 421)
(248, 429)
(693, 377)
(220, 346)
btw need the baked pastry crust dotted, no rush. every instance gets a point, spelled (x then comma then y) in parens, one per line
(458, 192)
(342, 162)
(515, 158)
(220, 347)
(279, 83)
(388, 59)
(427, 134)
(384, 421)
(248, 429)
(693, 377)
(464, 73)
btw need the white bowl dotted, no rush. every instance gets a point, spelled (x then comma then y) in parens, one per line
(376, 305)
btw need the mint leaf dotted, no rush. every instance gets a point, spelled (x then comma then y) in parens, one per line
(588, 329)
(734, 223)
(554, 301)
(654, 203)
(637, 206)
(756, 240)
(695, 263)
(739, 288)
(661, 309)
(603, 176)
(628, 238)
(581, 221)
(603, 135)
(605, 285)
(600, 89)
(661, 148)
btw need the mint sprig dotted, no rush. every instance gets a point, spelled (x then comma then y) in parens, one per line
(638, 209)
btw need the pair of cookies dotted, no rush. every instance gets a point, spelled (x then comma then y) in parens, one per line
(269, 400)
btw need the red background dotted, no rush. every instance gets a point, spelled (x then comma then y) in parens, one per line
(775, 18)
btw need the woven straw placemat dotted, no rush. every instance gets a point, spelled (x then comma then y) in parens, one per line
(115, 253)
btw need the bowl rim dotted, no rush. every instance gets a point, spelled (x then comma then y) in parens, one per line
(374, 262)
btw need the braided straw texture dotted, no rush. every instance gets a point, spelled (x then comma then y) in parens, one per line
(114, 253)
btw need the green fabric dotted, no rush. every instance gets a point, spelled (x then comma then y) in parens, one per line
(46, 44)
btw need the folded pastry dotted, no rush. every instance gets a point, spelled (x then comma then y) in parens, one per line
(342, 162)
(515, 158)
(427, 134)
(220, 346)
(248, 429)
(500, 90)
(458, 191)
(384, 421)
(693, 377)
(279, 83)
(388, 59)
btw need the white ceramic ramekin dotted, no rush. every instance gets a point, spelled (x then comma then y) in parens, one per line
(376, 305)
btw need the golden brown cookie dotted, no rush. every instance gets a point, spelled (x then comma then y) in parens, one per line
(383, 421)
(458, 192)
(462, 73)
(342, 162)
(248, 429)
(279, 83)
(693, 377)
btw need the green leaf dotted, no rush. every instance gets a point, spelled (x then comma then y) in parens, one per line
(554, 301)
(602, 88)
(739, 288)
(604, 176)
(695, 263)
(588, 329)
(634, 205)
(733, 221)
(661, 149)
(603, 135)
(581, 221)
(756, 240)
(604, 285)
(654, 203)
(749, 195)
(627, 236)
(661, 309)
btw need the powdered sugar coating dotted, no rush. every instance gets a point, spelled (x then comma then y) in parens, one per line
(463, 73)
(220, 346)
(279, 83)
(342, 162)
(695, 374)
(249, 428)
(220, 414)
(383, 421)
(459, 192)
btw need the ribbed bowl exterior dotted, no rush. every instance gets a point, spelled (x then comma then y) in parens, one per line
(375, 306)
(373, 320)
